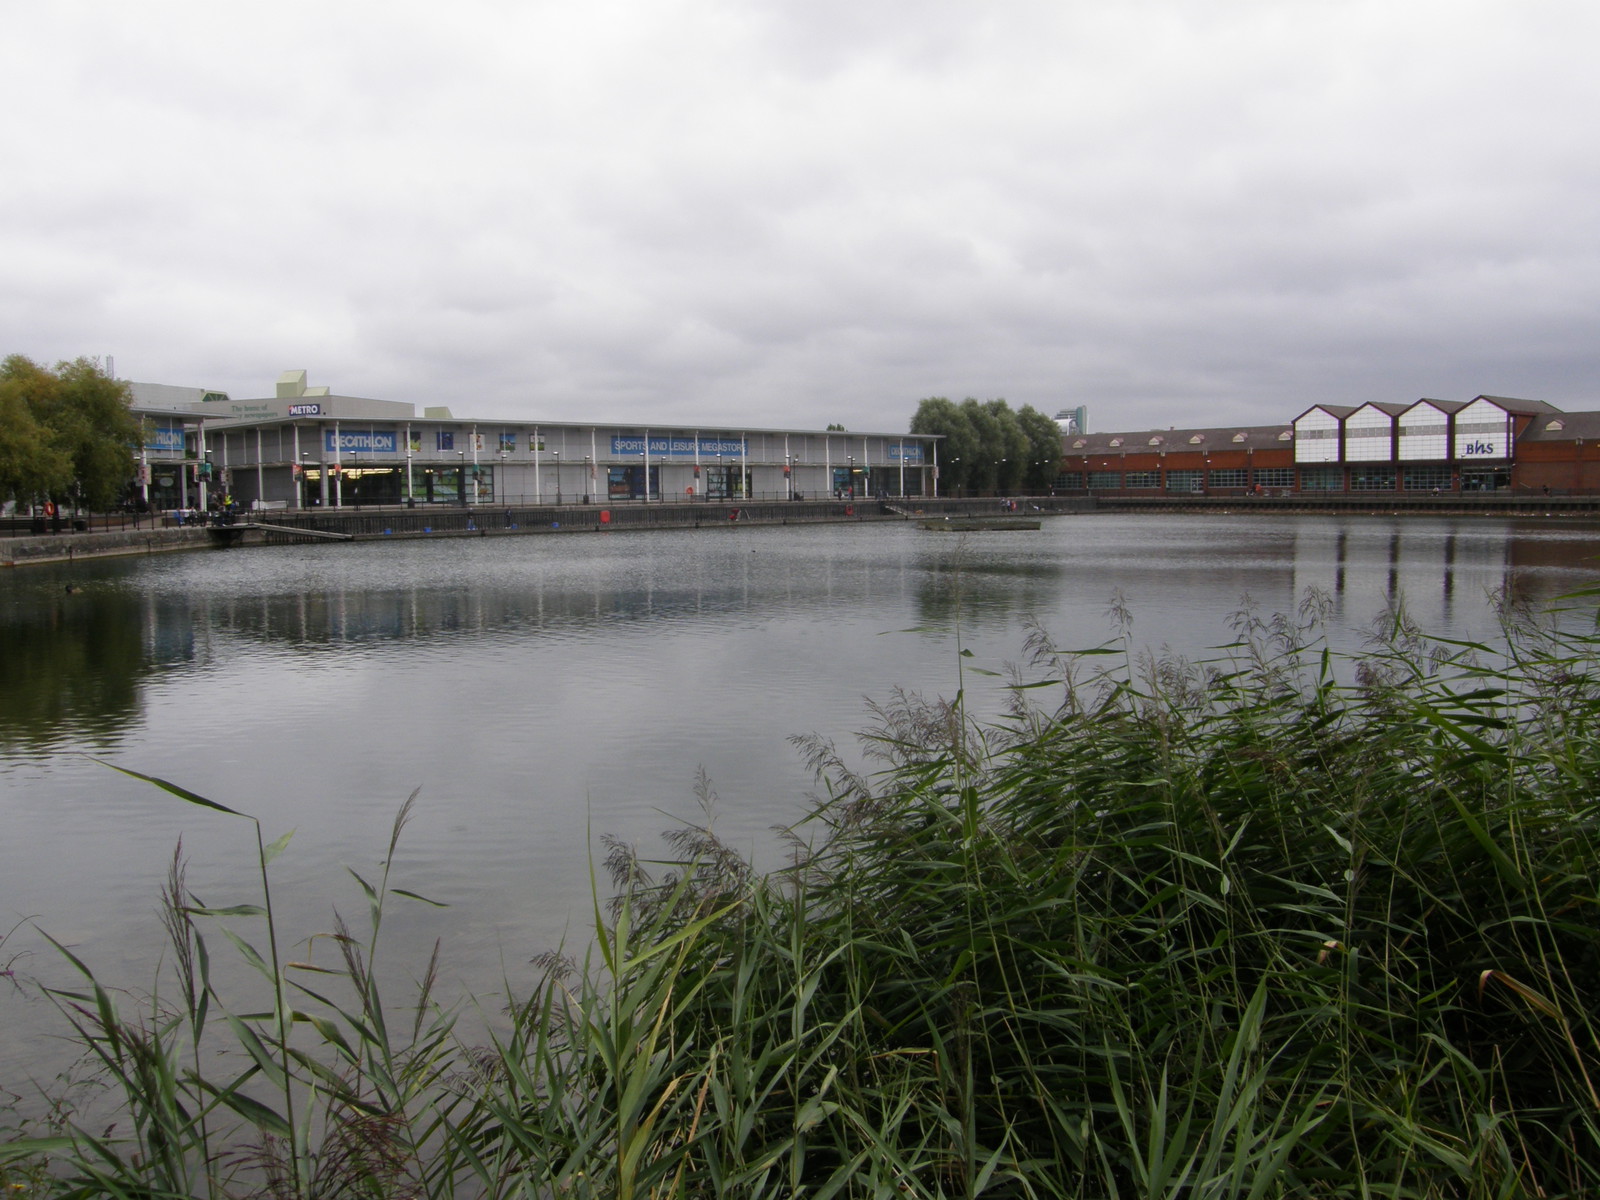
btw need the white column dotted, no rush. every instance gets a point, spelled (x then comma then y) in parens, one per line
(144, 461)
(201, 469)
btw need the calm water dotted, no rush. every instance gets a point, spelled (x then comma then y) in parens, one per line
(542, 691)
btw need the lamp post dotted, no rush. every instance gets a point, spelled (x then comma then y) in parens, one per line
(850, 474)
(557, 455)
(788, 473)
(500, 483)
(955, 469)
(461, 477)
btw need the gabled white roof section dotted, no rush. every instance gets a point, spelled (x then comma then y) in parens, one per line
(1318, 433)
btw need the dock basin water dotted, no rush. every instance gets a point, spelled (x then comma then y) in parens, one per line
(540, 692)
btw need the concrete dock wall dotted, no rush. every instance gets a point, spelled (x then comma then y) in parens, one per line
(70, 547)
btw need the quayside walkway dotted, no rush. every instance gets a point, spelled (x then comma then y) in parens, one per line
(103, 537)
(488, 521)
(1506, 502)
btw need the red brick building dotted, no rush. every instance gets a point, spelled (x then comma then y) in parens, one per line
(1487, 444)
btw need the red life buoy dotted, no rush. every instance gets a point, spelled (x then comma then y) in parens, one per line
(49, 508)
(849, 510)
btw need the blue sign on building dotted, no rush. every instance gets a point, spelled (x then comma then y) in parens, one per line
(679, 447)
(164, 437)
(359, 441)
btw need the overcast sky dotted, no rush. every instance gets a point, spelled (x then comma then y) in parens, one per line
(794, 212)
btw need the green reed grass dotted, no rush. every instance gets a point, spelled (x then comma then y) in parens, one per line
(1280, 923)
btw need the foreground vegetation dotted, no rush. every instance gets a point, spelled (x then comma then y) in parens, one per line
(1280, 924)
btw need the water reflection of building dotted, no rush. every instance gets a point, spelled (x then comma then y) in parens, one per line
(307, 447)
(1488, 444)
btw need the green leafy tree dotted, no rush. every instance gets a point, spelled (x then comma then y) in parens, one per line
(1011, 447)
(31, 464)
(985, 473)
(958, 451)
(1044, 448)
(77, 441)
(989, 446)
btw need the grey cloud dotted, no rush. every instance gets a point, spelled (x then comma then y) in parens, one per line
(780, 212)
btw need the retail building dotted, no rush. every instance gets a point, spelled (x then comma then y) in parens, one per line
(308, 447)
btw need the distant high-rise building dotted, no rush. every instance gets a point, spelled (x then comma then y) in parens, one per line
(1074, 420)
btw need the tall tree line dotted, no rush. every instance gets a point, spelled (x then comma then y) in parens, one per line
(67, 434)
(990, 447)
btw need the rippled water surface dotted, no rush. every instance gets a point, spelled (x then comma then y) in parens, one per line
(541, 691)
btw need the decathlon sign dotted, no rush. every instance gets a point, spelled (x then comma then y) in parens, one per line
(165, 437)
(358, 441)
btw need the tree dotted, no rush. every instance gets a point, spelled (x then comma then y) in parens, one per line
(30, 464)
(985, 473)
(957, 453)
(74, 433)
(1044, 448)
(1011, 447)
(988, 446)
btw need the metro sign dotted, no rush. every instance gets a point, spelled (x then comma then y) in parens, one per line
(305, 410)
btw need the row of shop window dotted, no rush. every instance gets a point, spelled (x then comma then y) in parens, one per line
(386, 485)
(1311, 479)
(178, 485)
